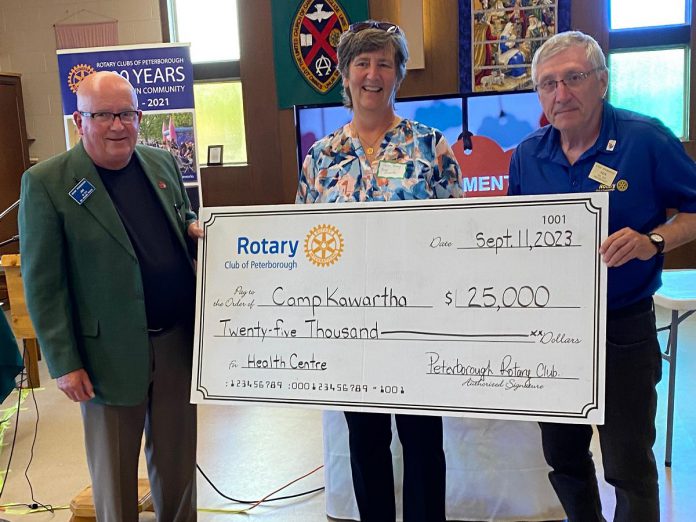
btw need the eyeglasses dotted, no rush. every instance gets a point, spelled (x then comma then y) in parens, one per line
(383, 26)
(571, 80)
(126, 117)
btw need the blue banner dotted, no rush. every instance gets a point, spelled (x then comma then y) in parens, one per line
(162, 76)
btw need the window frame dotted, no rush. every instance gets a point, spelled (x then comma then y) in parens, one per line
(686, 80)
(658, 38)
(687, 17)
(228, 163)
(204, 71)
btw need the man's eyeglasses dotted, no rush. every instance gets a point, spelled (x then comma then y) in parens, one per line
(383, 26)
(572, 80)
(126, 117)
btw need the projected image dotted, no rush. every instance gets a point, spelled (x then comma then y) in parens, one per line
(444, 114)
(313, 123)
(497, 123)
(506, 119)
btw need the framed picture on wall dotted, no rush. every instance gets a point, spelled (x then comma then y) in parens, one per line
(214, 154)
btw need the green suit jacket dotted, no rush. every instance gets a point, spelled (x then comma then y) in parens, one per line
(82, 279)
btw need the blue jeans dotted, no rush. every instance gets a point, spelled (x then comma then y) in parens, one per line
(634, 367)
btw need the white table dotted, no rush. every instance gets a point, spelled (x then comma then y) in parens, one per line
(495, 471)
(678, 294)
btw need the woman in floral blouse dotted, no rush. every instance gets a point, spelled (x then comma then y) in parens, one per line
(379, 156)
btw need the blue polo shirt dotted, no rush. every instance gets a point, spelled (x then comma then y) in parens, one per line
(654, 174)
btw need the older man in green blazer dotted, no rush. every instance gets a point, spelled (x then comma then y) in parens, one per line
(110, 288)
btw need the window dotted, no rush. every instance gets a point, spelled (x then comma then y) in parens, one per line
(630, 14)
(211, 26)
(220, 119)
(649, 59)
(651, 82)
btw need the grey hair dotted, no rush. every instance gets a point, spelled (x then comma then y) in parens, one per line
(353, 44)
(562, 41)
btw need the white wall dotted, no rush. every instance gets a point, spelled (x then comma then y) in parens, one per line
(28, 46)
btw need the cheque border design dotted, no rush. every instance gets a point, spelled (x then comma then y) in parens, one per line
(584, 410)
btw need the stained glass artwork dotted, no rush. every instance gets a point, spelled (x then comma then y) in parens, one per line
(505, 36)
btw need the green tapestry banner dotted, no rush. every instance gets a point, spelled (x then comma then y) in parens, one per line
(305, 37)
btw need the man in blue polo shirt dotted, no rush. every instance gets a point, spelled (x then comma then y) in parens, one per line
(592, 146)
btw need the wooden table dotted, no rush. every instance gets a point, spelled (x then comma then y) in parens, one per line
(20, 321)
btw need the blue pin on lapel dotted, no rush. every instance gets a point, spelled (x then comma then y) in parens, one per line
(81, 191)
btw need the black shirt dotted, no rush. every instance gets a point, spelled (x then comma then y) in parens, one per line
(168, 280)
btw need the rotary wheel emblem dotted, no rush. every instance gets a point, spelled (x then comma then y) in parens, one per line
(323, 245)
(77, 74)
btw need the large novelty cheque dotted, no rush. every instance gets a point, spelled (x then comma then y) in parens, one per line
(490, 307)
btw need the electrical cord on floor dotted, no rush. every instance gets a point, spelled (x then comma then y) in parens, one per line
(39, 506)
(265, 499)
(35, 504)
(14, 437)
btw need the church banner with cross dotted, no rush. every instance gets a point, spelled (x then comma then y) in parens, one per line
(305, 38)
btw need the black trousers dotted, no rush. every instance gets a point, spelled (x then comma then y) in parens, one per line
(634, 367)
(369, 436)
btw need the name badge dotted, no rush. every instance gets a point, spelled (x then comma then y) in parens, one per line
(81, 191)
(391, 169)
(603, 174)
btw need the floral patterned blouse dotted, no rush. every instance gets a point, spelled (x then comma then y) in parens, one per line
(414, 161)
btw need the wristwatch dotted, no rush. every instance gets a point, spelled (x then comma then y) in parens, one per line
(658, 241)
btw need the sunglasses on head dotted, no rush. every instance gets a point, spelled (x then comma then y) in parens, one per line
(383, 26)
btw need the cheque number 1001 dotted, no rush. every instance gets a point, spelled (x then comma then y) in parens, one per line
(511, 297)
(554, 219)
